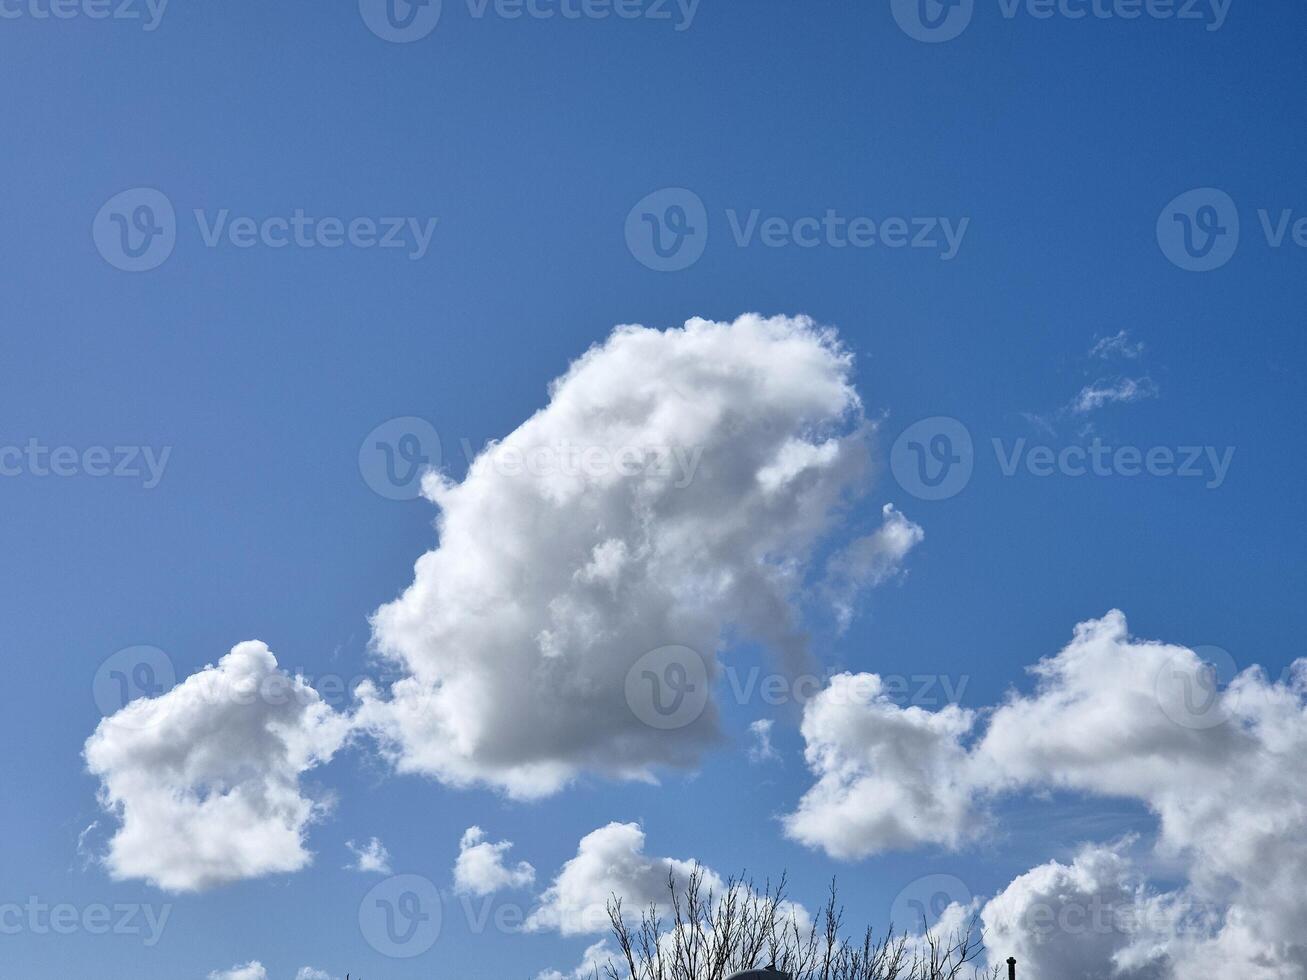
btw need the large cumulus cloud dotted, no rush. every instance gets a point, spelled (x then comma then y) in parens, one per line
(674, 488)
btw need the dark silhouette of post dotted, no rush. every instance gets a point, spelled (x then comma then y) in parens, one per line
(1011, 968)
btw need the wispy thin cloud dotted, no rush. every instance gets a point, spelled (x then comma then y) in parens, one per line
(762, 750)
(1118, 345)
(1119, 391)
(1105, 390)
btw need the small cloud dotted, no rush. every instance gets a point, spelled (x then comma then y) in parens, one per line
(1039, 422)
(371, 858)
(480, 868)
(84, 848)
(1121, 391)
(869, 561)
(253, 970)
(762, 751)
(1118, 345)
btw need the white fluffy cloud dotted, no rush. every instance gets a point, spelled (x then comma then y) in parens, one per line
(205, 779)
(1223, 768)
(609, 862)
(250, 971)
(887, 777)
(369, 858)
(674, 486)
(481, 870)
(1088, 919)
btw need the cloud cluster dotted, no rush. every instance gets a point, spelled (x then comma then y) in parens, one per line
(205, 779)
(481, 870)
(1224, 769)
(548, 583)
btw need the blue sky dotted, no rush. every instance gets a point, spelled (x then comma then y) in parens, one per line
(530, 140)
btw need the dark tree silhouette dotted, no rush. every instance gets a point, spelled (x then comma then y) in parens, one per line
(709, 936)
